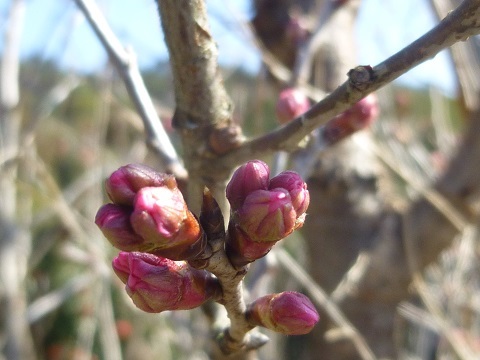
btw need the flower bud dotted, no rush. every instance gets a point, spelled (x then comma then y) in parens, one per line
(114, 222)
(161, 217)
(291, 103)
(297, 31)
(296, 187)
(289, 313)
(157, 284)
(241, 250)
(358, 117)
(125, 182)
(267, 215)
(247, 178)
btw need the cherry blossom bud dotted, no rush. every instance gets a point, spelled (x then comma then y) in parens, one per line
(289, 313)
(247, 178)
(157, 284)
(125, 182)
(241, 250)
(267, 215)
(114, 222)
(358, 117)
(296, 187)
(297, 30)
(291, 103)
(161, 217)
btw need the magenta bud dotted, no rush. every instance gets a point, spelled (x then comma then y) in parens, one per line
(291, 103)
(125, 182)
(247, 178)
(296, 30)
(296, 187)
(241, 250)
(114, 222)
(289, 313)
(157, 284)
(267, 215)
(161, 217)
(358, 117)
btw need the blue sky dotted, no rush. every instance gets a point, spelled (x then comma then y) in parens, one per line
(55, 29)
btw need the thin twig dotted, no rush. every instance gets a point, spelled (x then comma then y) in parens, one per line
(53, 300)
(126, 64)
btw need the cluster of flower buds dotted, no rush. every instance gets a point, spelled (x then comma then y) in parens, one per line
(161, 240)
(264, 210)
(158, 284)
(358, 117)
(289, 313)
(149, 214)
(292, 102)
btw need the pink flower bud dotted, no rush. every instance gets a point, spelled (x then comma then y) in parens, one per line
(114, 222)
(296, 187)
(241, 250)
(267, 215)
(157, 284)
(161, 217)
(291, 103)
(296, 31)
(289, 313)
(358, 117)
(125, 182)
(247, 178)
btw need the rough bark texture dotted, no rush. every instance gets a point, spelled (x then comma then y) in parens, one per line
(202, 103)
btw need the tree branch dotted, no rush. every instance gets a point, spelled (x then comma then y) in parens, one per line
(125, 62)
(459, 25)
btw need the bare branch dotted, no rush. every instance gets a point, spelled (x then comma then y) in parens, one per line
(459, 25)
(125, 63)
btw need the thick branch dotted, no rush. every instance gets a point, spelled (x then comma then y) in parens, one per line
(199, 92)
(202, 103)
(459, 25)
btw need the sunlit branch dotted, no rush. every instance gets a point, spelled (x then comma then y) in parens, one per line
(125, 62)
(459, 25)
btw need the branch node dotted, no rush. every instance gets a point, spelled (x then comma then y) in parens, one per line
(361, 76)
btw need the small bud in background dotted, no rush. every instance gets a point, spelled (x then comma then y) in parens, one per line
(252, 176)
(157, 284)
(241, 250)
(161, 217)
(358, 117)
(114, 222)
(289, 313)
(267, 215)
(296, 187)
(125, 182)
(297, 31)
(291, 103)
